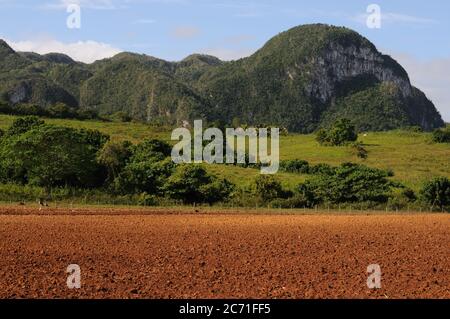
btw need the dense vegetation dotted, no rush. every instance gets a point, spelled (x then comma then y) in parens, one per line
(442, 135)
(71, 163)
(340, 133)
(35, 153)
(292, 82)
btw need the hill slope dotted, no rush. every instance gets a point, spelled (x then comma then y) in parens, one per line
(302, 79)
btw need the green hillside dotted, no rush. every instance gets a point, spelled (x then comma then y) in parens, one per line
(302, 79)
(411, 156)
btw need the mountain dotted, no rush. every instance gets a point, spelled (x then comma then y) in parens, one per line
(302, 79)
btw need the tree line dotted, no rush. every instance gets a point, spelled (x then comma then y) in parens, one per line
(50, 156)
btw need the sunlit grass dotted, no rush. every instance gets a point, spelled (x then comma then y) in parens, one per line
(412, 156)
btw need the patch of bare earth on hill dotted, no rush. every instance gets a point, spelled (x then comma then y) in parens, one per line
(157, 254)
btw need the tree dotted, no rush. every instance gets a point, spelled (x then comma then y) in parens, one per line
(24, 124)
(151, 150)
(295, 166)
(348, 183)
(61, 110)
(114, 156)
(144, 177)
(437, 192)
(29, 109)
(192, 184)
(341, 132)
(52, 156)
(441, 135)
(94, 138)
(268, 188)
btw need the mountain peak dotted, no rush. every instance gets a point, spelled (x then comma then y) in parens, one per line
(301, 79)
(59, 58)
(5, 48)
(202, 59)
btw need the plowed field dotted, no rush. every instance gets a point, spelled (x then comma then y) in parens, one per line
(166, 254)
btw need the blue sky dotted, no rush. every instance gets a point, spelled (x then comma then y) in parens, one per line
(416, 33)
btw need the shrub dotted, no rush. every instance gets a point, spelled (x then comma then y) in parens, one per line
(348, 183)
(50, 156)
(360, 151)
(413, 129)
(120, 117)
(61, 110)
(192, 184)
(87, 115)
(114, 156)
(29, 109)
(94, 138)
(342, 132)
(145, 176)
(295, 166)
(151, 150)
(268, 188)
(23, 124)
(441, 135)
(401, 198)
(437, 192)
(321, 169)
(297, 201)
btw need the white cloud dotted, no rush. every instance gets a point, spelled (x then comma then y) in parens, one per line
(185, 32)
(83, 51)
(430, 76)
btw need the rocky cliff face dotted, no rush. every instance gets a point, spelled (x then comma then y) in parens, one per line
(340, 63)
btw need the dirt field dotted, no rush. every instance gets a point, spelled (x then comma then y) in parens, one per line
(150, 254)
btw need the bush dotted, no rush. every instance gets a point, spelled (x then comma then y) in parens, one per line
(48, 156)
(23, 125)
(295, 166)
(321, 169)
(29, 109)
(268, 188)
(120, 117)
(93, 138)
(61, 110)
(348, 183)
(340, 133)
(151, 150)
(296, 201)
(441, 136)
(192, 184)
(413, 129)
(87, 115)
(145, 176)
(114, 156)
(401, 198)
(437, 193)
(360, 151)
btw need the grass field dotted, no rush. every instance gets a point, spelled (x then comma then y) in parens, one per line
(412, 156)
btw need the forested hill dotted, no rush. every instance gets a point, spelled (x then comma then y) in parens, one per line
(301, 79)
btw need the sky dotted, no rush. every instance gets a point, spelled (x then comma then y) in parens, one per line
(415, 33)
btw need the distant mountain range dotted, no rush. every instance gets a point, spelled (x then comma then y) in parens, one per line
(302, 79)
